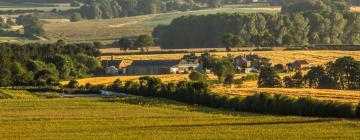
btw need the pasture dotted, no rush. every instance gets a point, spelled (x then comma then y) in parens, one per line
(112, 29)
(4, 6)
(107, 30)
(152, 118)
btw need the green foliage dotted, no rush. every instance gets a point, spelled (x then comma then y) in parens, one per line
(358, 111)
(279, 67)
(315, 5)
(344, 73)
(198, 76)
(33, 26)
(121, 8)
(260, 30)
(73, 84)
(45, 64)
(268, 78)
(296, 81)
(223, 69)
(125, 44)
(198, 93)
(144, 41)
(231, 41)
(75, 17)
(20, 74)
(75, 4)
(5, 63)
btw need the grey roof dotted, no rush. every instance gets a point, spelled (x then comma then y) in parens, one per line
(160, 63)
(109, 63)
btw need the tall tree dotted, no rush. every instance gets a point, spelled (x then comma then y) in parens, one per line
(125, 44)
(144, 41)
(268, 78)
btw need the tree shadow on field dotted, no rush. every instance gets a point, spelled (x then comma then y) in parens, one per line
(243, 123)
(171, 104)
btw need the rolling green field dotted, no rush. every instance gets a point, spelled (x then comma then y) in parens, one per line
(150, 118)
(38, 6)
(112, 29)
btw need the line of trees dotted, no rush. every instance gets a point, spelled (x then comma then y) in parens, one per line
(105, 9)
(45, 64)
(261, 30)
(293, 6)
(333, 24)
(198, 93)
(343, 74)
(142, 41)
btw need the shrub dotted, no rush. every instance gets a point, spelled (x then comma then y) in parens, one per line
(198, 93)
(198, 76)
(358, 111)
(73, 84)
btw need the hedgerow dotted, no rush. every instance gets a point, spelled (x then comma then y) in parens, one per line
(198, 93)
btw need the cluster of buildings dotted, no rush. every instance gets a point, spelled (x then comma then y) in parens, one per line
(151, 67)
(243, 63)
(250, 63)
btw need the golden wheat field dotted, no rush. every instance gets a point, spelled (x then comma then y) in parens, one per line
(277, 57)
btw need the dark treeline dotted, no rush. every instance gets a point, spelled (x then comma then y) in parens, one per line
(45, 64)
(261, 29)
(198, 93)
(293, 6)
(328, 22)
(342, 74)
(313, 3)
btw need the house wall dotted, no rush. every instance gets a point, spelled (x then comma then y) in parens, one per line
(189, 67)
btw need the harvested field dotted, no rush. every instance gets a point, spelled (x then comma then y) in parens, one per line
(277, 57)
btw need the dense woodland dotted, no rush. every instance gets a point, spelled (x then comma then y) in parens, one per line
(104, 9)
(46, 64)
(261, 29)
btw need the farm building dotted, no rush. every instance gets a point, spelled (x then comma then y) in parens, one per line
(115, 63)
(152, 67)
(112, 71)
(187, 65)
(249, 63)
(297, 65)
(111, 65)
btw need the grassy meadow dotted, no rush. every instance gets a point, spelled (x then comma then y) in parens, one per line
(107, 30)
(152, 118)
(4, 6)
(111, 29)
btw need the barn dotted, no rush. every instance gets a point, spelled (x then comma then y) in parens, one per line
(152, 67)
